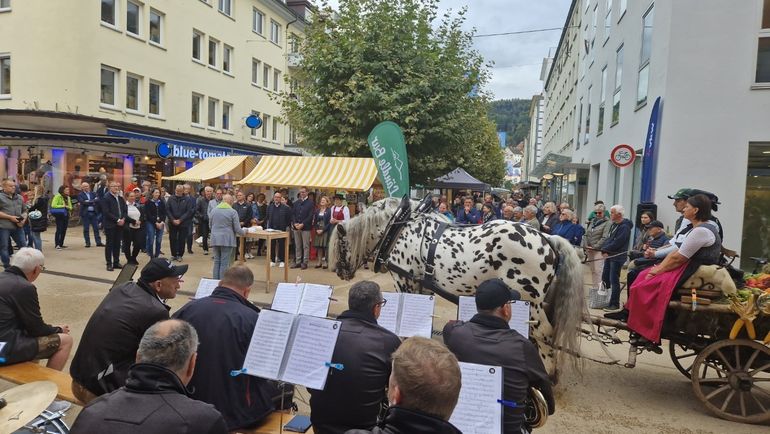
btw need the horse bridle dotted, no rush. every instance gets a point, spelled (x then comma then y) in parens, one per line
(391, 233)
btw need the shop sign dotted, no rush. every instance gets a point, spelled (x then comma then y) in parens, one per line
(170, 150)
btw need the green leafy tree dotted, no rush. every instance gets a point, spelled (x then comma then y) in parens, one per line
(395, 60)
(511, 116)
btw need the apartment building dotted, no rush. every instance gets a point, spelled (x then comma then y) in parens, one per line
(708, 61)
(96, 87)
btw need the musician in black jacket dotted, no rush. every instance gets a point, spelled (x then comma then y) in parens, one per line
(180, 211)
(114, 213)
(352, 398)
(278, 218)
(488, 340)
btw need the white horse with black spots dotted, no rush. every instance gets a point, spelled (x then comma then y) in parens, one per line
(546, 270)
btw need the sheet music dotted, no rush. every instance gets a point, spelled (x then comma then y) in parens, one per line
(477, 410)
(206, 287)
(288, 297)
(315, 300)
(268, 344)
(520, 317)
(312, 348)
(389, 313)
(416, 317)
(466, 308)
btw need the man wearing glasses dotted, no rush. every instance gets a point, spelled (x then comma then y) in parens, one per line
(353, 396)
(111, 337)
(25, 334)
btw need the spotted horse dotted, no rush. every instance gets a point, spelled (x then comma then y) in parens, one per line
(424, 252)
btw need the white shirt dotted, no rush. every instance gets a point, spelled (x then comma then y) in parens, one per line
(696, 239)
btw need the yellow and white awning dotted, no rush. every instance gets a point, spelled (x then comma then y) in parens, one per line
(236, 166)
(341, 173)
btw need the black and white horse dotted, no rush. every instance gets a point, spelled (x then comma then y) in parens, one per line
(546, 270)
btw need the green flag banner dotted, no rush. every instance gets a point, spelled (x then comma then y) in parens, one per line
(388, 147)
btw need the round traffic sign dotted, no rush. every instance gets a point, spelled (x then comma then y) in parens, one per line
(622, 155)
(253, 121)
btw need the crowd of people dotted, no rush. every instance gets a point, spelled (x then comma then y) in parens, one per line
(134, 219)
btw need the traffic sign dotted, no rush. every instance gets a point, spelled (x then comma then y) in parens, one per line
(622, 155)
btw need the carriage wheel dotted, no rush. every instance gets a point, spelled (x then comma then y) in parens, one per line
(733, 380)
(684, 351)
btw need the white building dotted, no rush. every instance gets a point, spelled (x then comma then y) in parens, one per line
(709, 62)
(96, 86)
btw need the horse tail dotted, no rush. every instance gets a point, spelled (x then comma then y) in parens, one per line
(567, 299)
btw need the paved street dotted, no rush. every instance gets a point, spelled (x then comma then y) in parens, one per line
(603, 399)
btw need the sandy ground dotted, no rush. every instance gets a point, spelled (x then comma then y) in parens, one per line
(651, 398)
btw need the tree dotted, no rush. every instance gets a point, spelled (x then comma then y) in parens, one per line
(511, 116)
(383, 60)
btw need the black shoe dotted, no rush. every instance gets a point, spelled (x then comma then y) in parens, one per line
(295, 265)
(88, 245)
(109, 268)
(118, 266)
(99, 245)
(189, 252)
(618, 316)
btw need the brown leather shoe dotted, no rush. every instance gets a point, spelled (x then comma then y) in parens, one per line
(304, 266)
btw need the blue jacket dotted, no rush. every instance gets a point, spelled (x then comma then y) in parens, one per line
(87, 200)
(324, 222)
(302, 212)
(569, 231)
(618, 239)
(472, 218)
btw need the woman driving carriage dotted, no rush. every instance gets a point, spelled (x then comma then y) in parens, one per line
(650, 294)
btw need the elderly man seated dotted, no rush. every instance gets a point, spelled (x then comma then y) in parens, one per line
(22, 327)
(155, 399)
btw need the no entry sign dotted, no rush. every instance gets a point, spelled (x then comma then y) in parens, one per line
(622, 155)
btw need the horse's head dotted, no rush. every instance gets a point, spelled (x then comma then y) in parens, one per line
(353, 241)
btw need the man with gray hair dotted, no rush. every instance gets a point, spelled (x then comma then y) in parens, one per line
(614, 251)
(22, 328)
(352, 397)
(155, 398)
(12, 219)
(226, 321)
(530, 217)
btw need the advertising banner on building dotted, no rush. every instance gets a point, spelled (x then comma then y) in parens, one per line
(386, 141)
(650, 154)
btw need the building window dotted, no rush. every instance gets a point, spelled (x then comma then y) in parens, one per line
(292, 135)
(197, 41)
(109, 12)
(227, 111)
(276, 80)
(226, 7)
(133, 17)
(266, 76)
(265, 124)
(765, 15)
(5, 5)
(294, 44)
(197, 101)
(602, 98)
(594, 22)
(254, 130)
(608, 21)
(588, 114)
(275, 130)
(5, 75)
(579, 124)
(275, 32)
(255, 65)
(618, 83)
(156, 95)
(213, 112)
(644, 58)
(109, 78)
(763, 47)
(156, 27)
(227, 58)
(258, 22)
(133, 89)
(213, 46)
(623, 4)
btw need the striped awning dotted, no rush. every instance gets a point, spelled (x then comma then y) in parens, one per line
(342, 173)
(236, 166)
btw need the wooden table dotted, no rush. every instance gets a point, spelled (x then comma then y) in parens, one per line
(268, 236)
(272, 425)
(27, 372)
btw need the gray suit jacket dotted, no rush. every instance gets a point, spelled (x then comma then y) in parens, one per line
(225, 226)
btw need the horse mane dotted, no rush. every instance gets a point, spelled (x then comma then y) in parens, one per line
(360, 227)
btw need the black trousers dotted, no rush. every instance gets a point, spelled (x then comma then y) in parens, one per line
(112, 248)
(133, 242)
(203, 231)
(189, 238)
(177, 235)
(278, 252)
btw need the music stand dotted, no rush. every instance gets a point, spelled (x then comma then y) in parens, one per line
(126, 275)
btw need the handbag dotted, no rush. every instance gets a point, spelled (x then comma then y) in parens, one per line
(58, 211)
(599, 298)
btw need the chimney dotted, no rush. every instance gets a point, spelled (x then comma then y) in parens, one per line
(300, 7)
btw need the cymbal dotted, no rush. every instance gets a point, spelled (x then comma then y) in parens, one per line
(25, 403)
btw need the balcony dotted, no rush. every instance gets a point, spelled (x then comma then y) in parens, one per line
(293, 60)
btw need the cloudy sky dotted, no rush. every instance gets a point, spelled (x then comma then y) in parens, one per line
(517, 58)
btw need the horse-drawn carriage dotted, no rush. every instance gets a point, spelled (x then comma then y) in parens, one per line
(424, 252)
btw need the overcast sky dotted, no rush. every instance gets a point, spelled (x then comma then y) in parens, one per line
(517, 58)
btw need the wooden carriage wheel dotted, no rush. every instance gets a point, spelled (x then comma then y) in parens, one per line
(732, 379)
(683, 351)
